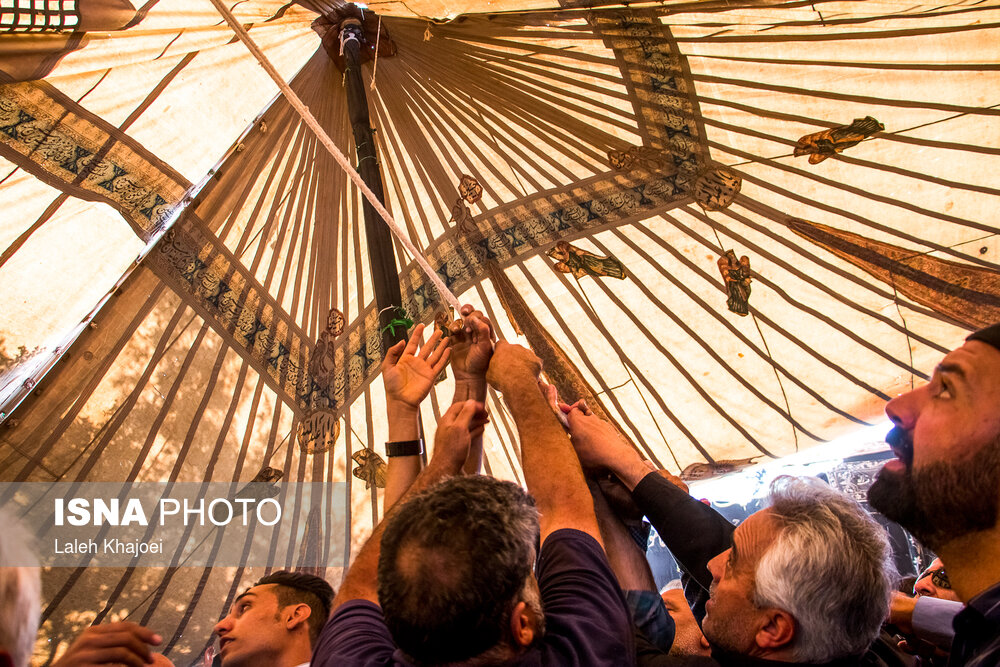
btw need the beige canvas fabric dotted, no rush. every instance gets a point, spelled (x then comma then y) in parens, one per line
(174, 238)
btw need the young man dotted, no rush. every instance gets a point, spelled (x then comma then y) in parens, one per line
(275, 622)
(944, 487)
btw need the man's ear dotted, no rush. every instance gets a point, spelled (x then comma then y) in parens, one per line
(778, 630)
(523, 624)
(296, 615)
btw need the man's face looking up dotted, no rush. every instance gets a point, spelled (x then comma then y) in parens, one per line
(731, 617)
(945, 482)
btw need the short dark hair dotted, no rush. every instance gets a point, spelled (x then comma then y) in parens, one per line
(302, 588)
(453, 563)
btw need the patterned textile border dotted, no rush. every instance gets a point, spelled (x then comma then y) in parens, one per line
(658, 82)
(216, 284)
(54, 139)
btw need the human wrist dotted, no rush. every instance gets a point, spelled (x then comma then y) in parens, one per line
(395, 407)
(472, 387)
(403, 422)
(631, 469)
(443, 464)
(516, 383)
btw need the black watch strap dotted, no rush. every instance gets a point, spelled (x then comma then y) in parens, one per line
(404, 448)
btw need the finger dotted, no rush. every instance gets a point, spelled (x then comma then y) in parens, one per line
(415, 340)
(573, 417)
(450, 414)
(468, 412)
(466, 309)
(427, 348)
(484, 328)
(117, 655)
(393, 354)
(131, 639)
(477, 326)
(438, 365)
(436, 347)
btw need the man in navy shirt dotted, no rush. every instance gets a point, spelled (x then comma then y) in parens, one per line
(945, 485)
(452, 563)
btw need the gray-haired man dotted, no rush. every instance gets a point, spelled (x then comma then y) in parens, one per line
(773, 597)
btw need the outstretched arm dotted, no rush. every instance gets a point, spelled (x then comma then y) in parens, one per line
(408, 375)
(695, 533)
(552, 472)
(454, 433)
(471, 349)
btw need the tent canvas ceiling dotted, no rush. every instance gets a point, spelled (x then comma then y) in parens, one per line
(174, 239)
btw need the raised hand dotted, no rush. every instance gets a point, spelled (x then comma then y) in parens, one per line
(455, 431)
(551, 395)
(409, 374)
(112, 643)
(598, 444)
(471, 345)
(512, 365)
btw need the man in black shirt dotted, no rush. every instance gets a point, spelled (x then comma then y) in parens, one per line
(805, 581)
(945, 485)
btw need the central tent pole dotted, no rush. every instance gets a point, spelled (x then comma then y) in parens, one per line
(381, 257)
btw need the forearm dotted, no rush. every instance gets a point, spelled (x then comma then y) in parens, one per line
(694, 532)
(552, 471)
(474, 464)
(472, 389)
(361, 582)
(401, 471)
(627, 561)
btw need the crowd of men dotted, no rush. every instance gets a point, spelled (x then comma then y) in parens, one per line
(465, 569)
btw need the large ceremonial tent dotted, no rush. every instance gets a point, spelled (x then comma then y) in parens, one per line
(736, 227)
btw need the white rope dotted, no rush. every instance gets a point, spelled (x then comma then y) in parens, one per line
(341, 159)
(378, 38)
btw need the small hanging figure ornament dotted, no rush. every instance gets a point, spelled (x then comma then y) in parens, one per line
(318, 431)
(821, 145)
(698, 471)
(470, 189)
(370, 468)
(322, 362)
(580, 263)
(716, 188)
(736, 276)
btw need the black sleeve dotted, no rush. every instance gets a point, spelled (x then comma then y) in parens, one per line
(694, 532)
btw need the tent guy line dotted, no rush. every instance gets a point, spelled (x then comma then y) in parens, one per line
(338, 155)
